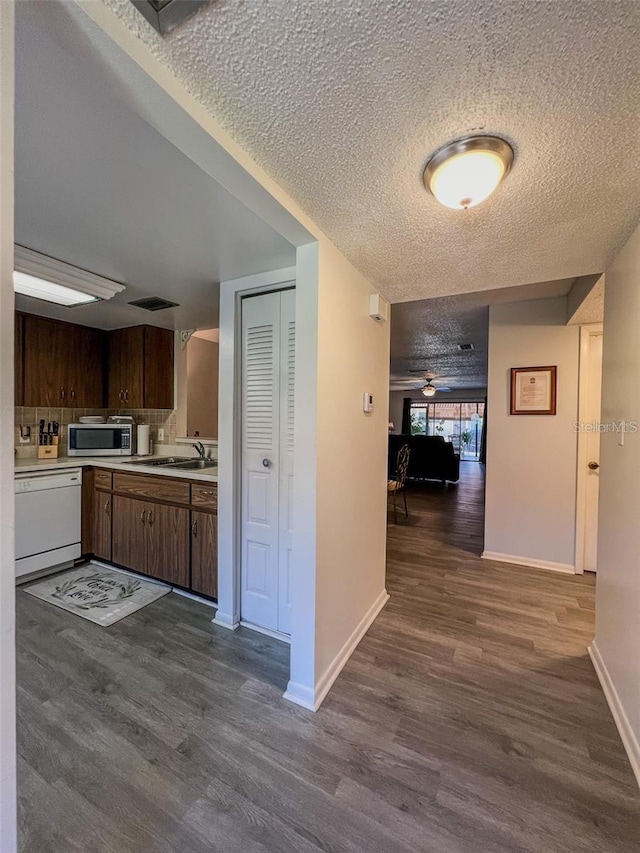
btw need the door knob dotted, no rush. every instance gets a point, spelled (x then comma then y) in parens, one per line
(266, 463)
(594, 466)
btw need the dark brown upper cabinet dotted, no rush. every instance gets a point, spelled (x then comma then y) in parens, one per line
(64, 364)
(19, 360)
(141, 368)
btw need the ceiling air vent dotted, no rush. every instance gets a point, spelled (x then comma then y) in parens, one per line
(164, 15)
(465, 347)
(153, 303)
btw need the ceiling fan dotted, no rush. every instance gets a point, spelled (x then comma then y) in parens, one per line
(429, 389)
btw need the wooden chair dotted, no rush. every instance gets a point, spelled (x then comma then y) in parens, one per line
(398, 483)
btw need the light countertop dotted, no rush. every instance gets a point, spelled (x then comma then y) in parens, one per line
(25, 466)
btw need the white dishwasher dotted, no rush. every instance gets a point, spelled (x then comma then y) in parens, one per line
(48, 520)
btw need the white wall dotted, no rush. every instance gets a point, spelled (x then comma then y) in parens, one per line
(617, 645)
(339, 543)
(531, 459)
(353, 358)
(302, 675)
(8, 840)
(202, 387)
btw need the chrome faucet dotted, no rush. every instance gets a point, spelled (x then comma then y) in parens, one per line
(199, 446)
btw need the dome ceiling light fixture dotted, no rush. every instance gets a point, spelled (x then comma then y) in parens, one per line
(429, 390)
(466, 171)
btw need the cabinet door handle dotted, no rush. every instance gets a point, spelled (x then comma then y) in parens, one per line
(194, 527)
(62, 392)
(150, 518)
(121, 396)
(126, 396)
(143, 516)
(72, 394)
(107, 508)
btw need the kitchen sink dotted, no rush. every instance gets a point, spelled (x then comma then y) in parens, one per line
(161, 460)
(193, 464)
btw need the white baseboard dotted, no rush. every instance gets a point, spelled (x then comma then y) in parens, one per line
(300, 695)
(194, 597)
(627, 735)
(226, 620)
(565, 568)
(312, 699)
(277, 635)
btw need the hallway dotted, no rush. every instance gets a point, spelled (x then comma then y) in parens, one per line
(469, 719)
(504, 698)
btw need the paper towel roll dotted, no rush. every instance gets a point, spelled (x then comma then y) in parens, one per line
(143, 440)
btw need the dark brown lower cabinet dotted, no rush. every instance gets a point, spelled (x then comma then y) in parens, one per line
(175, 541)
(167, 543)
(204, 553)
(151, 538)
(129, 533)
(101, 525)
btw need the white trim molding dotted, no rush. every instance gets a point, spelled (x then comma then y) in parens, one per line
(268, 632)
(226, 620)
(301, 695)
(586, 333)
(8, 784)
(531, 562)
(228, 436)
(184, 336)
(312, 699)
(627, 735)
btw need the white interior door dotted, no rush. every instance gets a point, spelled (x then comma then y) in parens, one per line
(268, 339)
(592, 486)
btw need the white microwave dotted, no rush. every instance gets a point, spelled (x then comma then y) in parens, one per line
(100, 439)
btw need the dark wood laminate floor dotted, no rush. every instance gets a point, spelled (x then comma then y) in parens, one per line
(469, 719)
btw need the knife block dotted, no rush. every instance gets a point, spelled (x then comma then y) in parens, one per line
(49, 451)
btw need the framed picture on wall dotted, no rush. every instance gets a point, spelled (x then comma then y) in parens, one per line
(533, 390)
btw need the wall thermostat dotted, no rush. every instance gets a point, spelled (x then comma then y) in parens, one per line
(367, 403)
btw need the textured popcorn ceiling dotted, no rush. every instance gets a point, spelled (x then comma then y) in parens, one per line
(425, 335)
(342, 101)
(592, 308)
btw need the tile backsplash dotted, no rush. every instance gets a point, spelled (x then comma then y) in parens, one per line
(24, 416)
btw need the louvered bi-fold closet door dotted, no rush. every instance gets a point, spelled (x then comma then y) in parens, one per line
(267, 458)
(287, 400)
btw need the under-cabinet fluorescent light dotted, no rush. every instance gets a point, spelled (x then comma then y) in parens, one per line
(38, 288)
(41, 277)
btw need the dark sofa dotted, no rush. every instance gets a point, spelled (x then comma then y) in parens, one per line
(432, 458)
